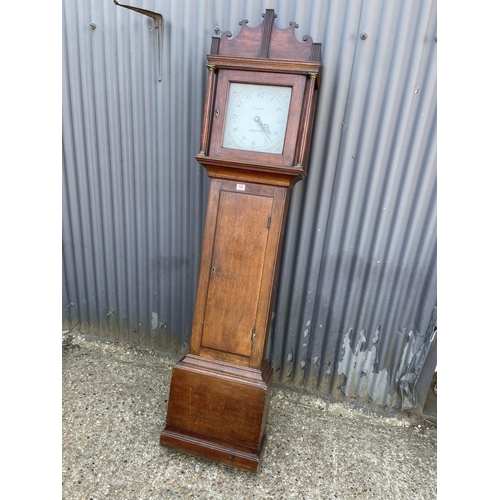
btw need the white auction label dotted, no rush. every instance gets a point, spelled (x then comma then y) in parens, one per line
(240, 187)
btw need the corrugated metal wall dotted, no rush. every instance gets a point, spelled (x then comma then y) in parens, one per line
(356, 299)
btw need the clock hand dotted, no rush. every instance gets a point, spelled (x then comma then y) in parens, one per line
(264, 127)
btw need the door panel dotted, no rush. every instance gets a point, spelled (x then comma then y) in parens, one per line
(239, 250)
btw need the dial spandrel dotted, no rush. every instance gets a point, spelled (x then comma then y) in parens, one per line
(256, 117)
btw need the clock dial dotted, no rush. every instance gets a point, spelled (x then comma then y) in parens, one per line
(256, 117)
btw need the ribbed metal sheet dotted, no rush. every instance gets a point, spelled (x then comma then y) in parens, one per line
(356, 298)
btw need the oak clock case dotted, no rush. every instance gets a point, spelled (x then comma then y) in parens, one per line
(255, 139)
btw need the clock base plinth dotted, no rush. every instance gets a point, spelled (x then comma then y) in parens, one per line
(218, 410)
(201, 446)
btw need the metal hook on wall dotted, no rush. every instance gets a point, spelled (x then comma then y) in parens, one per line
(158, 19)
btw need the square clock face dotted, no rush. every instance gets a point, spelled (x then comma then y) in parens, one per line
(256, 117)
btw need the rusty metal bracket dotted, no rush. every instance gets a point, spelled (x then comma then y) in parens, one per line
(158, 19)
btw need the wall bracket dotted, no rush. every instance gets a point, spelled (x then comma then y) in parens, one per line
(158, 19)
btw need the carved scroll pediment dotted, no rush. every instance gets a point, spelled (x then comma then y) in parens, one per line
(268, 41)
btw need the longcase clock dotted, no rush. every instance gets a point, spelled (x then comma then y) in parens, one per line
(255, 138)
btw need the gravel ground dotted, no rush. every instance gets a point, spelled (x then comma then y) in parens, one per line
(114, 405)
